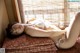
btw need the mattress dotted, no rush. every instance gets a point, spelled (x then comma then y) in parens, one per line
(27, 44)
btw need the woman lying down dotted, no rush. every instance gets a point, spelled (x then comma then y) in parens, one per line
(39, 28)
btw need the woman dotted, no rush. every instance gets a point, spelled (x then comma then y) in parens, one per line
(63, 38)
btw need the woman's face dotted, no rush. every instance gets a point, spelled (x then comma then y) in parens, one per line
(17, 29)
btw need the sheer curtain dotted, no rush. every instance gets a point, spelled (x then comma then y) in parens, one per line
(58, 12)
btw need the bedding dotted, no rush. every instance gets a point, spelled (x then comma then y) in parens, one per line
(27, 44)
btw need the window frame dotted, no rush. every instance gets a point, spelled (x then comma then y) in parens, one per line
(17, 10)
(19, 14)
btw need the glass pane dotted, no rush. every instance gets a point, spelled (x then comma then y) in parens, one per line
(73, 8)
(42, 4)
(73, 0)
(44, 9)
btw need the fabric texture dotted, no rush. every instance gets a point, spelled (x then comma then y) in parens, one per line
(27, 44)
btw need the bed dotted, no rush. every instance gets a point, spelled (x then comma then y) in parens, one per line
(28, 44)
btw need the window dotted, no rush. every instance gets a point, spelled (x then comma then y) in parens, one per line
(58, 12)
(73, 8)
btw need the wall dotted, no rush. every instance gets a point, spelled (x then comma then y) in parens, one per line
(3, 19)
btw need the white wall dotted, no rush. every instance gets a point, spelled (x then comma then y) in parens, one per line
(3, 19)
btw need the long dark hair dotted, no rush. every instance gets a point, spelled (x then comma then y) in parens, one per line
(9, 33)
